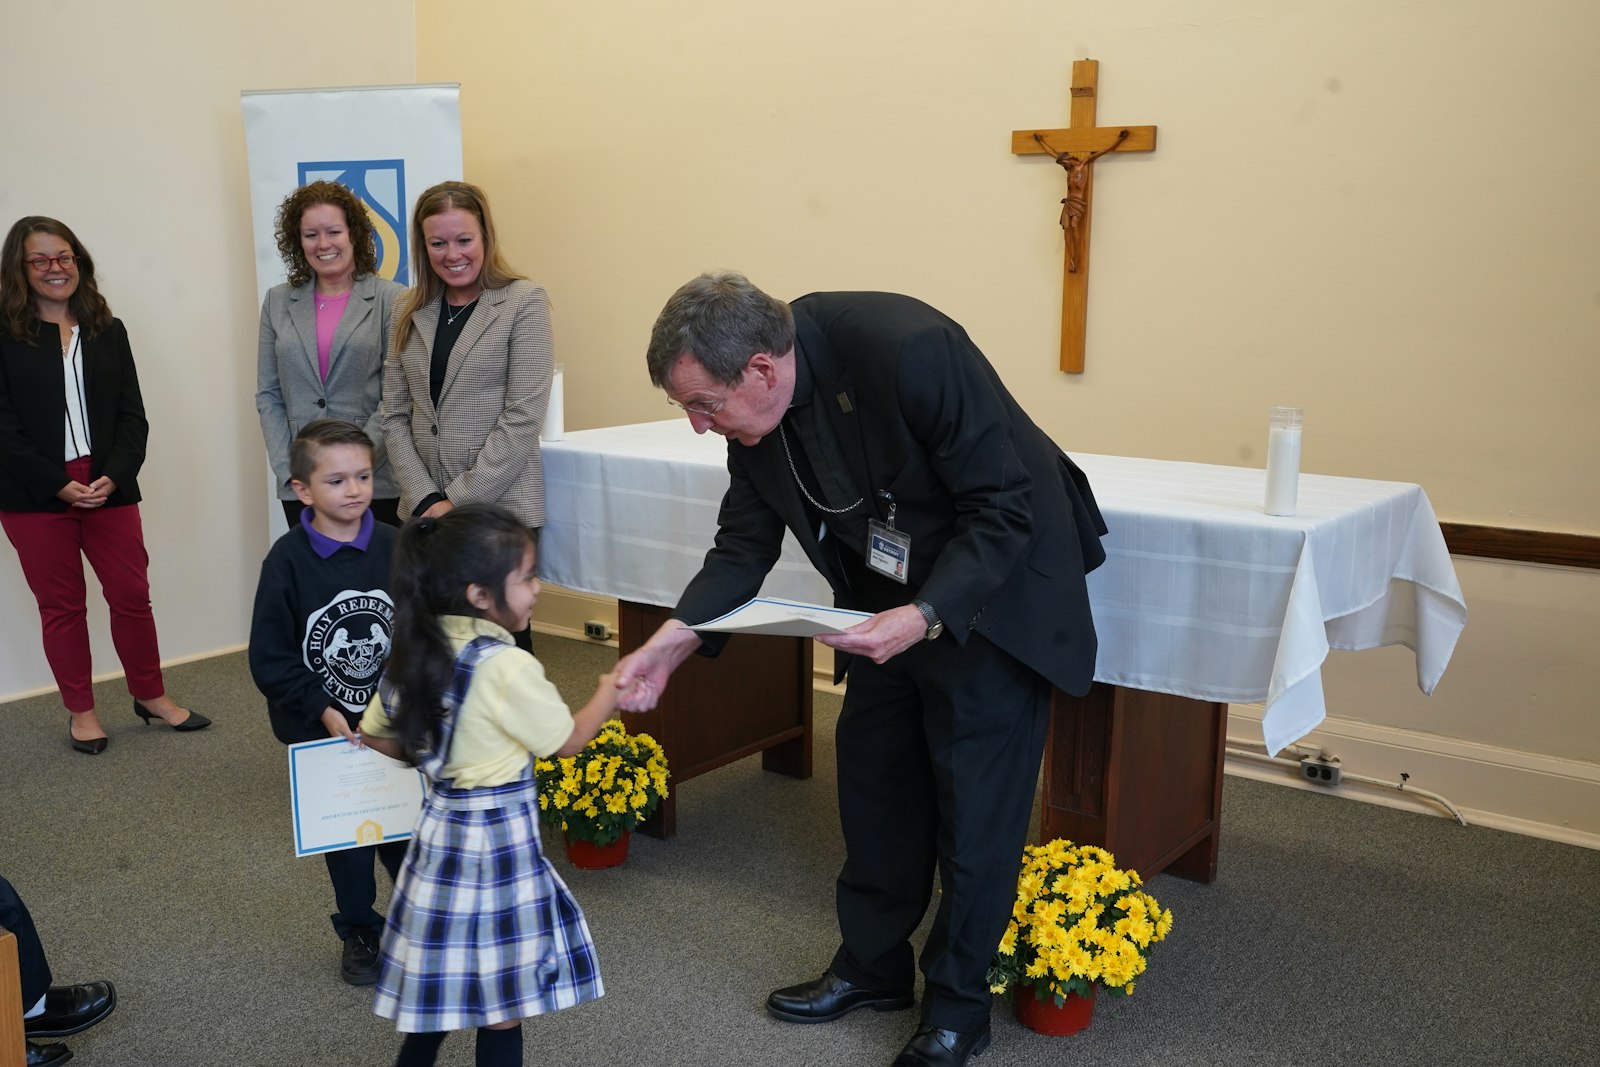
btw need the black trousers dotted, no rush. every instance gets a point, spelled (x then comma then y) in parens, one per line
(355, 883)
(938, 754)
(31, 963)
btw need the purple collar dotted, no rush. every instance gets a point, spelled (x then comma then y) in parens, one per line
(325, 546)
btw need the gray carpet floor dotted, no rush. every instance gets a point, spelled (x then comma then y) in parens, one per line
(1336, 932)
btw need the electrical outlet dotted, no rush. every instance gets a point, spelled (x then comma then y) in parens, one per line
(1323, 770)
(596, 629)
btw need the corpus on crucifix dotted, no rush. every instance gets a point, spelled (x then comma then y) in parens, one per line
(1075, 149)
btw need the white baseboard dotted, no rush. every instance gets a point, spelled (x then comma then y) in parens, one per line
(563, 612)
(111, 676)
(1521, 792)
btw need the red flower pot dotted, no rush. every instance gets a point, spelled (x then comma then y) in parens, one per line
(593, 857)
(1042, 1016)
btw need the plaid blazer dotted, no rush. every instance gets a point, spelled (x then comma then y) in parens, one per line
(481, 444)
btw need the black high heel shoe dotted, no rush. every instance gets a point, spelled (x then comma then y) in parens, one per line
(92, 747)
(195, 721)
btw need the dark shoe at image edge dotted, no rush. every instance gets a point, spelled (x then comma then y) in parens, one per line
(71, 1009)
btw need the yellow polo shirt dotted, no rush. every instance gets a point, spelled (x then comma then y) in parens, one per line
(511, 710)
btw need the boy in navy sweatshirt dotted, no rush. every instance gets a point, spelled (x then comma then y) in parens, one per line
(318, 640)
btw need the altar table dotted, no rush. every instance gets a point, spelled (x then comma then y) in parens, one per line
(1203, 601)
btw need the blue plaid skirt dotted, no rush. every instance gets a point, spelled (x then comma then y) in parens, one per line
(481, 929)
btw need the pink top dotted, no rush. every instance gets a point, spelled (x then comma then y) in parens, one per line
(329, 311)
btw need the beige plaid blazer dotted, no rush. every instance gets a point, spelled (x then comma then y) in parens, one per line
(481, 445)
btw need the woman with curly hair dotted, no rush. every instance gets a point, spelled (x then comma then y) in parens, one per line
(72, 440)
(323, 334)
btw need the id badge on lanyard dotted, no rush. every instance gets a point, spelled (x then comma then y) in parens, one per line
(888, 549)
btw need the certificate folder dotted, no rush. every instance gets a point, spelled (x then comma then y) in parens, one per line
(784, 618)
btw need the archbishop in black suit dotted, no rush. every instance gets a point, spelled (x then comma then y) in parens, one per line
(848, 409)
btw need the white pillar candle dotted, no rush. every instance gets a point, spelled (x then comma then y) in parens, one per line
(555, 412)
(1283, 460)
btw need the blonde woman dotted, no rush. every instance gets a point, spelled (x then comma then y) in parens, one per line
(467, 380)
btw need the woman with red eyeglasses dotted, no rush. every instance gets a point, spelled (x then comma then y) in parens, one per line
(72, 440)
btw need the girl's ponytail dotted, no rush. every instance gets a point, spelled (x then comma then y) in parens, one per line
(435, 561)
(421, 660)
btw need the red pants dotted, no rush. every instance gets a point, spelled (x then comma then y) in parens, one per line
(51, 546)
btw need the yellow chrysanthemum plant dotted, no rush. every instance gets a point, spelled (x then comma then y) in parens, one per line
(609, 787)
(1078, 922)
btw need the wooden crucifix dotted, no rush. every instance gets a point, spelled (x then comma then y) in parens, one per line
(1076, 149)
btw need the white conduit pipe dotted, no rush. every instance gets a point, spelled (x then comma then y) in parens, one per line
(1346, 776)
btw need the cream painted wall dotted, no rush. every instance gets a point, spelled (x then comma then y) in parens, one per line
(123, 121)
(1383, 212)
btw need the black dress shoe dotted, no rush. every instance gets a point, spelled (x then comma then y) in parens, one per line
(931, 1047)
(47, 1055)
(72, 1009)
(195, 721)
(828, 998)
(92, 747)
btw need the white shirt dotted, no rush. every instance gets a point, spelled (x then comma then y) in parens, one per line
(77, 400)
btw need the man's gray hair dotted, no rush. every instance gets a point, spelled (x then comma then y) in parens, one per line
(721, 320)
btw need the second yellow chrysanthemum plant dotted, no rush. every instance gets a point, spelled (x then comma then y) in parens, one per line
(609, 787)
(1078, 922)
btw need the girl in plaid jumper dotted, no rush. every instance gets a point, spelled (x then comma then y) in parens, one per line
(482, 932)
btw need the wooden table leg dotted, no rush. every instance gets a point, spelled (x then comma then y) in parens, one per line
(1140, 774)
(754, 697)
(12, 1034)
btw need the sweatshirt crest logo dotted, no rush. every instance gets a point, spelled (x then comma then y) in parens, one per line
(346, 643)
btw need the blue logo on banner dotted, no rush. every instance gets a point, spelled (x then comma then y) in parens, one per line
(381, 185)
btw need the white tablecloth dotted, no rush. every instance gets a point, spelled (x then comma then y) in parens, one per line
(1201, 595)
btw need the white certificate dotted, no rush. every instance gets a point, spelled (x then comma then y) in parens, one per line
(786, 618)
(346, 796)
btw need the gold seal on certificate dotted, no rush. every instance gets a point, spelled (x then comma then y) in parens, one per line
(348, 796)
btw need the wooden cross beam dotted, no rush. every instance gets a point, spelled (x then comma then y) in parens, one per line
(1076, 149)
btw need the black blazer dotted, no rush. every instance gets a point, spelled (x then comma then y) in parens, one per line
(1003, 524)
(33, 413)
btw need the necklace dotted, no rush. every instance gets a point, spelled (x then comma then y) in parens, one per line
(449, 319)
(814, 502)
(324, 299)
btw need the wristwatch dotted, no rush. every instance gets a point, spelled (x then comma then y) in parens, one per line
(931, 617)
